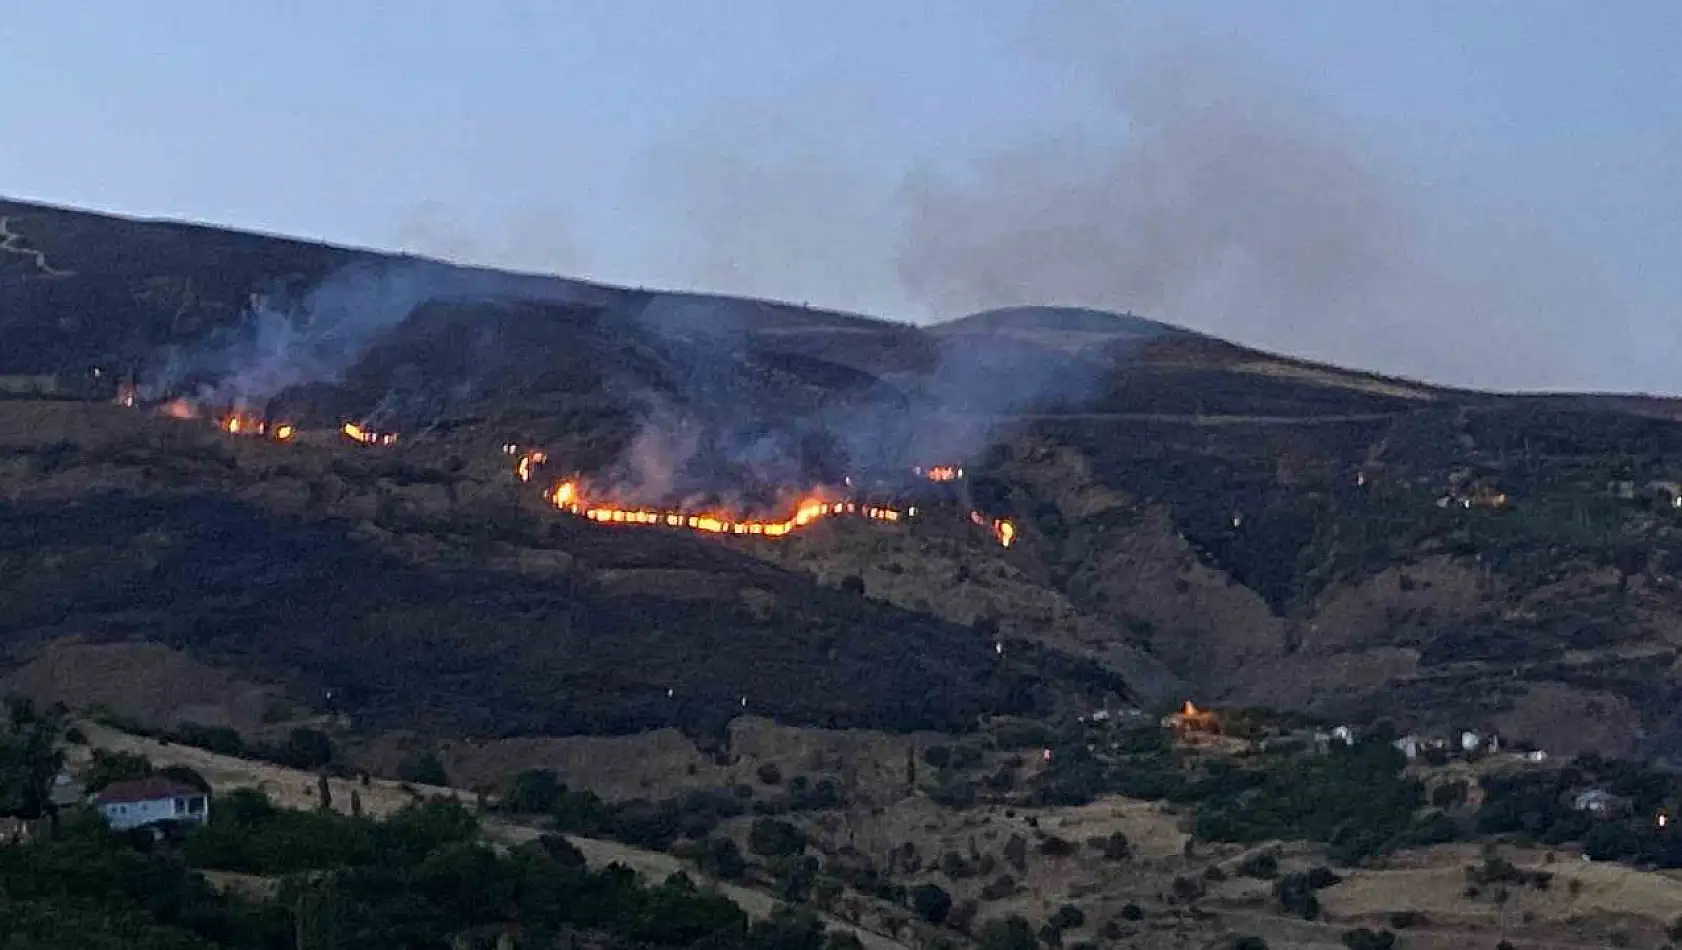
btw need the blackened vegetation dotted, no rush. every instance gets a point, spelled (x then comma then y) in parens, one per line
(136, 285)
(308, 606)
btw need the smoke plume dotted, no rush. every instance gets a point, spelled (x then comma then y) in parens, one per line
(280, 343)
(1233, 204)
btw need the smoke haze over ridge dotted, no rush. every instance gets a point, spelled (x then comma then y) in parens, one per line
(1234, 204)
(1526, 155)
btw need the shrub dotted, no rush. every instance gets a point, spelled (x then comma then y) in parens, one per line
(534, 792)
(1132, 911)
(1249, 943)
(1068, 917)
(1263, 865)
(1056, 847)
(1403, 919)
(999, 888)
(722, 858)
(1365, 939)
(931, 902)
(1009, 933)
(769, 774)
(424, 768)
(771, 837)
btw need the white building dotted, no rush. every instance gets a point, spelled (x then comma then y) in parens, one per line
(150, 802)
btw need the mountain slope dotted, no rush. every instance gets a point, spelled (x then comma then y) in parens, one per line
(1190, 515)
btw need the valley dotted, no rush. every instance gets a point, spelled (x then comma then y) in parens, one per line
(733, 570)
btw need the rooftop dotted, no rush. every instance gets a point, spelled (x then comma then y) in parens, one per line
(144, 790)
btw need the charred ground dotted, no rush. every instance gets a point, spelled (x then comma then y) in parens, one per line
(1195, 516)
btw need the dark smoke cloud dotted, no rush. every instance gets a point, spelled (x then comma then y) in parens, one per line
(1233, 203)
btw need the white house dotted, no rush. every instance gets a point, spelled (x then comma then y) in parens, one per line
(150, 802)
(1470, 741)
(1409, 746)
(1599, 803)
(1344, 734)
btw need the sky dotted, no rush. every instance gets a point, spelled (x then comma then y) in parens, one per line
(1477, 193)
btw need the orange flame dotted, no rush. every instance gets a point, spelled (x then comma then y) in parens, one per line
(527, 462)
(284, 432)
(179, 409)
(567, 497)
(941, 473)
(358, 434)
(1003, 531)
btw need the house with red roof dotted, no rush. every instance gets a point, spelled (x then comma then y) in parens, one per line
(150, 802)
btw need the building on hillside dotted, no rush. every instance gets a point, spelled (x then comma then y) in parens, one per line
(20, 830)
(1410, 746)
(150, 803)
(1600, 803)
(67, 791)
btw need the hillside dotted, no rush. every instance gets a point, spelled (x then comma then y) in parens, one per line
(1190, 517)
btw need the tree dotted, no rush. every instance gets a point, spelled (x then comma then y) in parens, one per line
(1009, 933)
(423, 769)
(1068, 917)
(324, 792)
(722, 858)
(771, 837)
(109, 768)
(1364, 939)
(29, 759)
(931, 902)
(534, 792)
(308, 749)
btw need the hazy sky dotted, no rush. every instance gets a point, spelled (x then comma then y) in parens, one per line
(1486, 193)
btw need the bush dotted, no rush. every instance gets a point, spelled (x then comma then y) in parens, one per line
(1403, 919)
(1068, 917)
(1296, 896)
(1365, 939)
(423, 768)
(999, 888)
(722, 858)
(769, 774)
(108, 768)
(1132, 912)
(931, 902)
(937, 756)
(1009, 933)
(1263, 865)
(310, 749)
(771, 837)
(1056, 847)
(1321, 877)
(1248, 943)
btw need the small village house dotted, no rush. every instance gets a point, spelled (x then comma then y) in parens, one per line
(1600, 803)
(150, 803)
